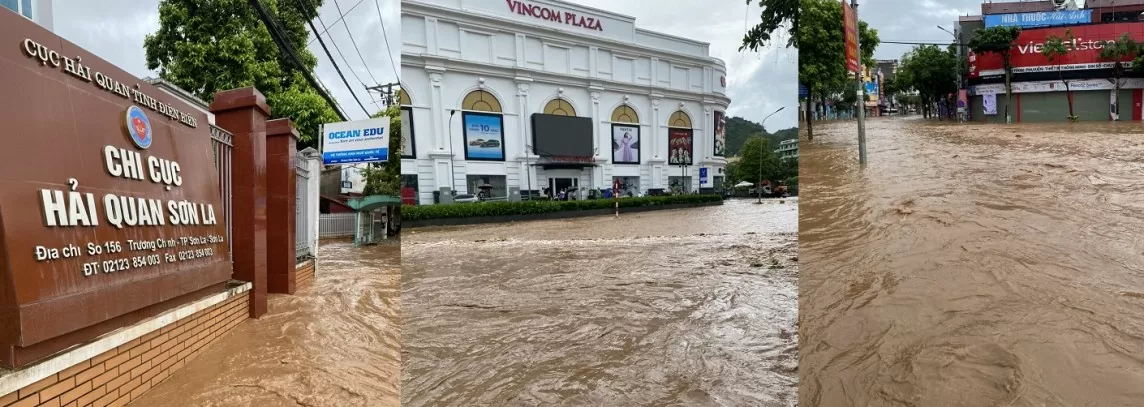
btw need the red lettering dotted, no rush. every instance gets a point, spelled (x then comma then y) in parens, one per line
(512, 5)
(545, 13)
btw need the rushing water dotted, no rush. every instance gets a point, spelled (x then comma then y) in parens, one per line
(972, 265)
(335, 343)
(688, 307)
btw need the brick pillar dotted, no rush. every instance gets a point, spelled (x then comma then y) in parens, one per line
(243, 112)
(281, 192)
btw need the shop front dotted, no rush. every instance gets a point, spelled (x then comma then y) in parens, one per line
(501, 101)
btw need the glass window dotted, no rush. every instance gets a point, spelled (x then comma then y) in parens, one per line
(494, 186)
(481, 101)
(629, 186)
(679, 185)
(410, 193)
(559, 107)
(11, 5)
(26, 10)
(625, 114)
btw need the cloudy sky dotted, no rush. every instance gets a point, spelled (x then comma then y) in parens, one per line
(913, 21)
(114, 30)
(758, 82)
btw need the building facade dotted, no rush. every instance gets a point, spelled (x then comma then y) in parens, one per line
(39, 11)
(547, 96)
(788, 149)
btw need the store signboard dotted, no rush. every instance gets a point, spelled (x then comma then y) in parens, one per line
(361, 141)
(1084, 54)
(1039, 19)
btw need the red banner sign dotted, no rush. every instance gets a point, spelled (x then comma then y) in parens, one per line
(850, 25)
(679, 146)
(1084, 54)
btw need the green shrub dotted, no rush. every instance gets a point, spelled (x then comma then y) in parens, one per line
(501, 208)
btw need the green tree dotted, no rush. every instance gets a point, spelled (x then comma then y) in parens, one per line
(776, 13)
(999, 40)
(931, 71)
(207, 46)
(822, 57)
(385, 179)
(748, 166)
(1055, 49)
(1116, 52)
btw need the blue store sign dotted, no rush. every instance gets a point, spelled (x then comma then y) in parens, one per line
(1039, 19)
(702, 176)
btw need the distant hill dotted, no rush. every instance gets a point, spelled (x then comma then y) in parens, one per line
(739, 129)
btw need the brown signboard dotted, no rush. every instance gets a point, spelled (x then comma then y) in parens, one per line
(109, 199)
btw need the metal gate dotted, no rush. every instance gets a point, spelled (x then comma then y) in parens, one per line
(223, 144)
(302, 208)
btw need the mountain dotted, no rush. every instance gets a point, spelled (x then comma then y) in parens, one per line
(739, 129)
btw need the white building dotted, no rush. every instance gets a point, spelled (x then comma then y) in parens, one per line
(788, 149)
(39, 11)
(478, 74)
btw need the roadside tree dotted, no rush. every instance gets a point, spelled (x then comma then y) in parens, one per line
(931, 71)
(1055, 49)
(776, 14)
(822, 56)
(1116, 52)
(210, 46)
(385, 178)
(999, 40)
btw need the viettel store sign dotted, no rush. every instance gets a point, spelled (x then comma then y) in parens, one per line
(1083, 50)
(109, 200)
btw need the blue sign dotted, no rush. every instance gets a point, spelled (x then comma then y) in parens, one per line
(138, 127)
(803, 92)
(484, 136)
(702, 176)
(361, 141)
(1039, 19)
(871, 88)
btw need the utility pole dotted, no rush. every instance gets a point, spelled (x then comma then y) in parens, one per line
(861, 91)
(763, 144)
(388, 96)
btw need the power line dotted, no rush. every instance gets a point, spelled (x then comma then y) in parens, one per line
(338, 69)
(351, 34)
(279, 40)
(339, 19)
(388, 56)
(921, 42)
(309, 5)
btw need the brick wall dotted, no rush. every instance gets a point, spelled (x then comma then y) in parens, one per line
(304, 274)
(120, 375)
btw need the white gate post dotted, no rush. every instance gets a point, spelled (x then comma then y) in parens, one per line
(314, 170)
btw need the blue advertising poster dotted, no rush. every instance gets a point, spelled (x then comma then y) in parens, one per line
(703, 176)
(871, 88)
(362, 141)
(1039, 19)
(484, 136)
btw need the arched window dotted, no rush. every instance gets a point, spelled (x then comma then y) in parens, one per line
(559, 107)
(625, 114)
(403, 98)
(679, 119)
(483, 101)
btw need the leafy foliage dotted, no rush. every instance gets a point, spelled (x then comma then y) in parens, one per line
(740, 129)
(501, 208)
(776, 13)
(386, 178)
(208, 46)
(930, 70)
(1055, 49)
(998, 40)
(774, 168)
(822, 54)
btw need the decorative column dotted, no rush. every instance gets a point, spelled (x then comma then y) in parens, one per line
(656, 161)
(439, 128)
(313, 188)
(243, 112)
(526, 172)
(281, 193)
(596, 145)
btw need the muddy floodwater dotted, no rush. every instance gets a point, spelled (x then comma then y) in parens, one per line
(691, 307)
(972, 265)
(335, 343)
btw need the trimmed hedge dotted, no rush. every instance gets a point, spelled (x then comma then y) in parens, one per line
(501, 208)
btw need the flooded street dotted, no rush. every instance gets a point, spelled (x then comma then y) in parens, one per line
(689, 307)
(973, 265)
(335, 343)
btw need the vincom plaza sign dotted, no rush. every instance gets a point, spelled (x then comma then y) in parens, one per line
(109, 203)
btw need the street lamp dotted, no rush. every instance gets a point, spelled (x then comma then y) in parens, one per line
(762, 144)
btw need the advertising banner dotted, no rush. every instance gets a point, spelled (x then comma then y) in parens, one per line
(408, 148)
(360, 141)
(1088, 41)
(679, 146)
(962, 100)
(484, 136)
(1039, 19)
(850, 27)
(109, 201)
(703, 176)
(1057, 86)
(625, 144)
(989, 103)
(720, 133)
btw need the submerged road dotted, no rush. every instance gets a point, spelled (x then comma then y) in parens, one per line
(689, 307)
(973, 265)
(335, 343)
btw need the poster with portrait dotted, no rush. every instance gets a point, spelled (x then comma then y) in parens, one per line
(679, 146)
(625, 144)
(720, 133)
(989, 103)
(484, 136)
(407, 147)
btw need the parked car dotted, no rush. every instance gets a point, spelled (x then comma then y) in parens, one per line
(491, 144)
(463, 198)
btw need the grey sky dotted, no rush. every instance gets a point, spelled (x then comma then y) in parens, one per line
(114, 30)
(913, 21)
(758, 82)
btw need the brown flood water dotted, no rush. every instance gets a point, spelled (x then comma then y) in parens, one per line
(691, 307)
(335, 343)
(973, 265)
